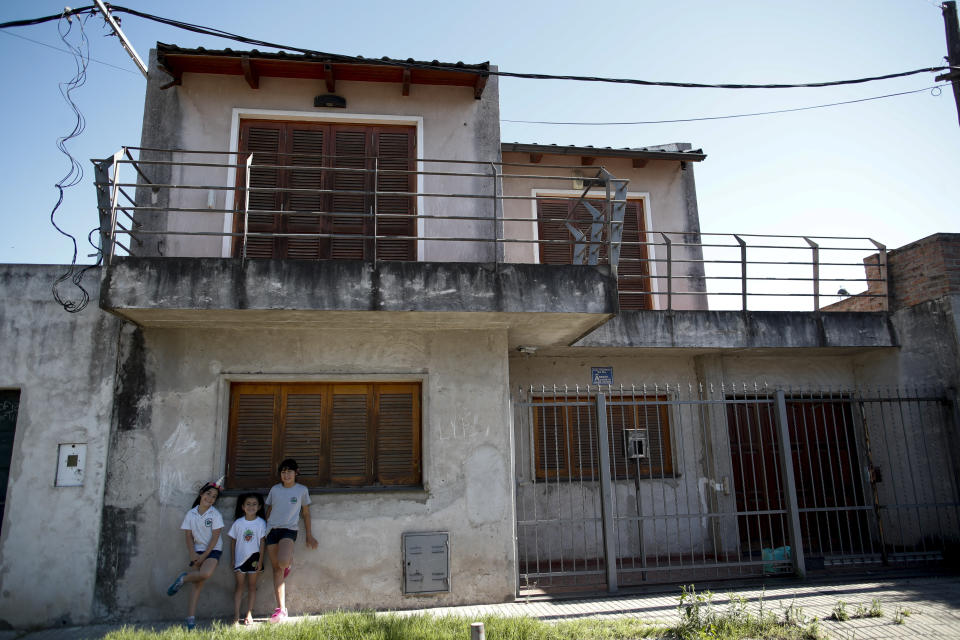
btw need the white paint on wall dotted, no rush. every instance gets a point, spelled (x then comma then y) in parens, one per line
(171, 473)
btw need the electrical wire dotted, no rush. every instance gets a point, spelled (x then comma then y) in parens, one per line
(410, 64)
(74, 176)
(67, 51)
(932, 88)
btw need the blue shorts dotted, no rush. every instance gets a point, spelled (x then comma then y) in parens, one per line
(276, 535)
(214, 555)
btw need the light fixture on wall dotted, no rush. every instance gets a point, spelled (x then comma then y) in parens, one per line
(527, 349)
(330, 100)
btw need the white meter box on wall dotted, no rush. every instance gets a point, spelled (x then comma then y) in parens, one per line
(71, 461)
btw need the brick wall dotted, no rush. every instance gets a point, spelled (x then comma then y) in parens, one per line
(920, 271)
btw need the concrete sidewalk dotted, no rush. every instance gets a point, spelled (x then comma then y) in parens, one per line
(933, 604)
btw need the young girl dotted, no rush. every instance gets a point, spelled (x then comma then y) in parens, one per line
(203, 524)
(248, 533)
(286, 502)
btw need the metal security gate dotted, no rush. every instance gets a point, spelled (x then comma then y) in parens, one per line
(658, 484)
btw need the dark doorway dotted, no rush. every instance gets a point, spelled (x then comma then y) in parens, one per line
(9, 405)
(830, 495)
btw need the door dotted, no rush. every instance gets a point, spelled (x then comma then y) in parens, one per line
(9, 407)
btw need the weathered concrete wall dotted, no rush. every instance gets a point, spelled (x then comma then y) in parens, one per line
(63, 366)
(355, 285)
(669, 205)
(172, 437)
(737, 330)
(198, 116)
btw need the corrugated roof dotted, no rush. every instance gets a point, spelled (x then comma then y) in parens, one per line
(164, 50)
(254, 64)
(681, 151)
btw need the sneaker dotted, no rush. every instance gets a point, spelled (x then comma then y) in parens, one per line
(177, 584)
(279, 615)
(191, 623)
(286, 572)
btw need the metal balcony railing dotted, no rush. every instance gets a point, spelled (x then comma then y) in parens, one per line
(176, 203)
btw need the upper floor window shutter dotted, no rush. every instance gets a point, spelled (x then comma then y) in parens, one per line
(264, 140)
(349, 184)
(395, 154)
(633, 270)
(305, 200)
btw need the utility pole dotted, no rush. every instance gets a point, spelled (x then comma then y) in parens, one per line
(949, 9)
(133, 54)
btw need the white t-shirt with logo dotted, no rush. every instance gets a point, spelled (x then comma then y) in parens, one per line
(248, 534)
(286, 504)
(202, 526)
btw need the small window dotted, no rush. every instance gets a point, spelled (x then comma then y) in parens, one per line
(342, 435)
(566, 437)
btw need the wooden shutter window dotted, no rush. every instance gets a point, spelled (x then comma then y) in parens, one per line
(398, 434)
(551, 441)
(321, 176)
(264, 141)
(302, 432)
(253, 414)
(394, 154)
(566, 439)
(350, 152)
(351, 435)
(305, 181)
(633, 270)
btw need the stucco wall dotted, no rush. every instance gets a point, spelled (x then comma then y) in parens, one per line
(198, 115)
(62, 364)
(176, 440)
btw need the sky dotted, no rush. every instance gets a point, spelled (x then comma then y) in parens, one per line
(886, 169)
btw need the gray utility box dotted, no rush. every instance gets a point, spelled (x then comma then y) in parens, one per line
(426, 562)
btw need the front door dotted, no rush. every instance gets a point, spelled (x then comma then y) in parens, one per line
(9, 406)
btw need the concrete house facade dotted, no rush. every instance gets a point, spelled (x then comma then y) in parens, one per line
(497, 363)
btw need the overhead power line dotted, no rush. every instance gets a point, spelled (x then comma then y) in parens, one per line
(935, 87)
(67, 51)
(410, 64)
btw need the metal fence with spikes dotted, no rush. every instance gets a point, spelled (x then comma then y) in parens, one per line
(643, 484)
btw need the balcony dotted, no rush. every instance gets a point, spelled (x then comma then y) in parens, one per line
(549, 253)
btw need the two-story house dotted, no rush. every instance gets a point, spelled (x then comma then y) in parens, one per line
(496, 363)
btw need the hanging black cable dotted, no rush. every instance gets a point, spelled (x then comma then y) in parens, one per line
(934, 90)
(74, 176)
(410, 64)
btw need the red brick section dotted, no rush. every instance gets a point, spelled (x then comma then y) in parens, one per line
(920, 271)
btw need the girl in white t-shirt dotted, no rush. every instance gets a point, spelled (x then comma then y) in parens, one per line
(248, 532)
(202, 524)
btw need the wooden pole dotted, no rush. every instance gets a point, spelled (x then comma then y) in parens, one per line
(950, 24)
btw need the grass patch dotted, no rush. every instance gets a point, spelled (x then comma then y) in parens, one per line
(372, 626)
(700, 619)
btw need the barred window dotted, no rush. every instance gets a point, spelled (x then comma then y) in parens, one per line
(566, 437)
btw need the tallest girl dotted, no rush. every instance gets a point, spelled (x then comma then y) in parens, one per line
(286, 502)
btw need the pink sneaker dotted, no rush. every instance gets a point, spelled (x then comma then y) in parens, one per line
(279, 615)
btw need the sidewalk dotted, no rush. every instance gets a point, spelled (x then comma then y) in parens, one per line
(933, 603)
